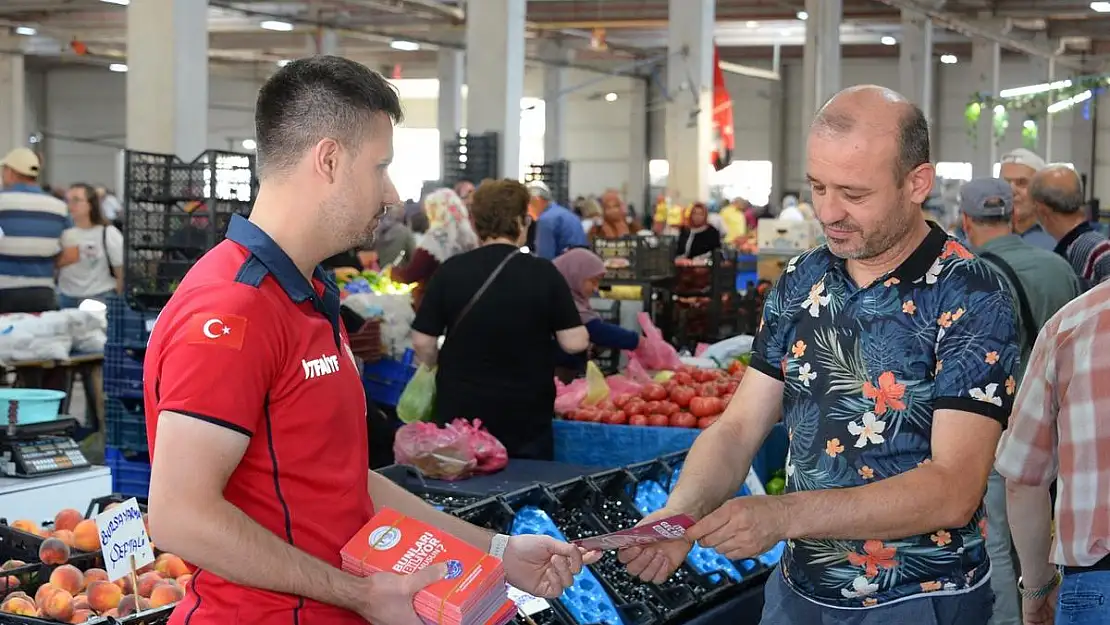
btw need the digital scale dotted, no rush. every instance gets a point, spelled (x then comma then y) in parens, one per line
(40, 449)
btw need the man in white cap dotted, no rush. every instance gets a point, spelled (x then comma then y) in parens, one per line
(1018, 168)
(33, 221)
(557, 229)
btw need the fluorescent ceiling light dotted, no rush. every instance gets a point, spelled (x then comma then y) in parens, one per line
(407, 46)
(888, 41)
(26, 31)
(122, 3)
(802, 15)
(948, 59)
(610, 97)
(283, 62)
(752, 24)
(249, 145)
(1034, 89)
(1100, 7)
(117, 67)
(276, 25)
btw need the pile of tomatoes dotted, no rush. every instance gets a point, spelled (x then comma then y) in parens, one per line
(691, 398)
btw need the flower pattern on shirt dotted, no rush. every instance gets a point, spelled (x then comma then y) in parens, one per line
(864, 369)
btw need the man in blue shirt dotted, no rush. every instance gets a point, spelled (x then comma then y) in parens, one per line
(32, 221)
(1018, 168)
(557, 229)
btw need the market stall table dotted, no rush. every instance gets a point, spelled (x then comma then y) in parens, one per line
(60, 375)
(517, 475)
(40, 498)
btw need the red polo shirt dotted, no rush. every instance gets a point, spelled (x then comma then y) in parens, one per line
(246, 343)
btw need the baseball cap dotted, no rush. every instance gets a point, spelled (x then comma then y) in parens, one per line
(538, 189)
(22, 161)
(986, 197)
(1022, 156)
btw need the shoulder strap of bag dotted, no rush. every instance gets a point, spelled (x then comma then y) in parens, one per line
(104, 246)
(482, 289)
(1026, 311)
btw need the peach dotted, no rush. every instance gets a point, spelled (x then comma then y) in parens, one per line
(86, 537)
(20, 593)
(42, 592)
(147, 582)
(81, 602)
(104, 595)
(125, 584)
(165, 594)
(95, 575)
(130, 605)
(69, 578)
(19, 605)
(67, 519)
(53, 551)
(183, 581)
(81, 616)
(113, 613)
(170, 565)
(58, 605)
(12, 564)
(66, 536)
(24, 525)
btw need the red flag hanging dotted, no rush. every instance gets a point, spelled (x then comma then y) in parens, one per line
(724, 141)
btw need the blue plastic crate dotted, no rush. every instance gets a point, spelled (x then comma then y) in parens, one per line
(128, 327)
(746, 280)
(611, 446)
(123, 372)
(125, 422)
(130, 472)
(385, 380)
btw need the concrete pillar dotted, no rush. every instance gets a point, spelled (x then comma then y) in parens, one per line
(821, 58)
(167, 77)
(1082, 138)
(13, 93)
(777, 149)
(449, 109)
(555, 82)
(689, 124)
(985, 60)
(1040, 70)
(324, 41)
(915, 61)
(495, 74)
(637, 185)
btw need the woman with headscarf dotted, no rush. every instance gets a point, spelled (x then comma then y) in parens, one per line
(394, 242)
(449, 233)
(614, 218)
(583, 271)
(697, 237)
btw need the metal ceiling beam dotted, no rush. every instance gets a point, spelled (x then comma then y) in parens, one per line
(978, 31)
(420, 7)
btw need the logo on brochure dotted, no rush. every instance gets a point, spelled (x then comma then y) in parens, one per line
(454, 569)
(384, 538)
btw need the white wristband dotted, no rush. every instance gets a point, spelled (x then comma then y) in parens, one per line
(497, 545)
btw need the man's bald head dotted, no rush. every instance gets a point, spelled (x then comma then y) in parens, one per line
(877, 110)
(1058, 188)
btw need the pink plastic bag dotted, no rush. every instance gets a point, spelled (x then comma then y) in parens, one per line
(654, 352)
(488, 451)
(635, 370)
(619, 384)
(438, 453)
(570, 396)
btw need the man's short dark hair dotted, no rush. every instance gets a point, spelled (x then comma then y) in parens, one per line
(993, 220)
(317, 97)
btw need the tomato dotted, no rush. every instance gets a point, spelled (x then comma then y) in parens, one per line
(731, 386)
(604, 406)
(683, 420)
(709, 389)
(659, 421)
(683, 379)
(726, 399)
(589, 415)
(635, 406)
(705, 406)
(668, 408)
(620, 400)
(637, 419)
(653, 392)
(652, 407)
(705, 422)
(682, 395)
(704, 376)
(614, 418)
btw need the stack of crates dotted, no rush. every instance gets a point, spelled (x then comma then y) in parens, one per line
(556, 175)
(126, 452)
(471, 157)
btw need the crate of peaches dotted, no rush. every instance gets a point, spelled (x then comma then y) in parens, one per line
(53, 574)
(686, 398)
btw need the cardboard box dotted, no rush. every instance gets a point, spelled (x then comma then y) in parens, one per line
(787, 237)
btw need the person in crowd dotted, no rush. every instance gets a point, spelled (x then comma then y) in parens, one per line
(33, 222)
(249, 358)
(791, 210)
(465, 190)
(1018, 168)
(698, 237)
(590, 214)
(449, 233)
(583, 271)
(96, 270)
(614, 218)
(110, 205)
(1057, 193)
(499, 310)
(394, 243)
(889, 353)
(669, 217)
(734, 216)
(1040, 283)
(557, 229)
(1059, 433)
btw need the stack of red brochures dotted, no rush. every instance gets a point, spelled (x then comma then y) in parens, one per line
(473, 593)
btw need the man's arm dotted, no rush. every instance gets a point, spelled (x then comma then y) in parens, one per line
(721, 456)
(388, 494)
(1030, 512)
(193, 460)
(942, 493)
(426, 348)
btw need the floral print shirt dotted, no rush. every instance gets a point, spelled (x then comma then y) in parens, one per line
(864, 369)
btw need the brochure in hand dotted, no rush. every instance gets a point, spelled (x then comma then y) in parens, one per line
(669, 528)
(473, 593)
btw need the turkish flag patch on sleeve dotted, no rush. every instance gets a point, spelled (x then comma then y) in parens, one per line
(220, 329)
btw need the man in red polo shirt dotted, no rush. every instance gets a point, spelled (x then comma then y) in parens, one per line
(255, 411)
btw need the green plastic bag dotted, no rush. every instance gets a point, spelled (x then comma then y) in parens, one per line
(418, 400)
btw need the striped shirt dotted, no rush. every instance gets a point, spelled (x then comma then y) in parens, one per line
(32, 221)
(1088, 251)
(1059, 427)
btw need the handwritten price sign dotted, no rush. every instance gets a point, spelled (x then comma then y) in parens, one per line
(123, 539)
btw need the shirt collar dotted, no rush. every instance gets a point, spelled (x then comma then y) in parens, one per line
(917, 264)
(1069, 238)
(1003, 242)
(276, 261)
(25, 187)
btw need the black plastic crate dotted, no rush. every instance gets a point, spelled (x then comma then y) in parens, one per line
(125, 422)
(608, 359)
(123, 372)
(444, 499)
(554, 174)
(471, 157)
(128, 327)
(637, 258)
